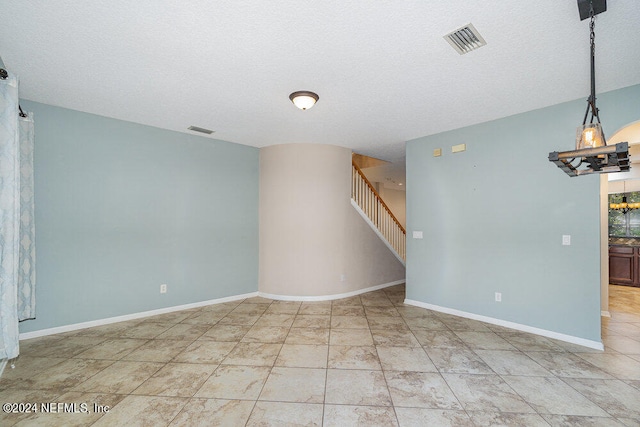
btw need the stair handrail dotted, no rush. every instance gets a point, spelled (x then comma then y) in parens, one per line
(376, 211)
(377, 195)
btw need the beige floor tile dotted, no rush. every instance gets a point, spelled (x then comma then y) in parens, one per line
(456, 323)
(121, 377)
(203, 351)
(420, 390)
(266, 334)
(235, 382)
(283, 308)
(505, 362)
(496, 373)
(356, 387)
(26, 368)
(145, 330)
(567, 365)
(491, 419)
(67, 374)
(353, 357)
(111, 330)
(413, 312)
(214, 412)
(183, 332)
(59, 347)
(312, 321)
(317, 336)
(360, 416)
(349, 322)
(350, 301)
(374, 311)
(284, 320)
(419, 417)
(251, 309)
(614, 396)
(135, 411)
(176, 379)
(239, 319)
(387, 323)
(575, 421)
(485, 393)
(618, 365)
(315, 308)
(303, 385)
(157, 350)
(350, 337)
(394, 338)
(230, 333)
(457, 360)
(434, 338)
(549, 395)
(112, 349)
(253, 354)
(347, 310)
(303, 356)
(405, 359)
(484, 340)
(285, 414)
(173, 317)
(428, 323)
(529, 342)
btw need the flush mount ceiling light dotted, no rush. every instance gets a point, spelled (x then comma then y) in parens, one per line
(303, 99)
(592, 154)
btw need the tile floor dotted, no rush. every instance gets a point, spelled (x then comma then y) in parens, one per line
(367, 360)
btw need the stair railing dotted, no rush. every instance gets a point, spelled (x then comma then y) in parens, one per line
(370, 202)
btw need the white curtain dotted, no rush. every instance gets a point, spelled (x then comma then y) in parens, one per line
(17, 232)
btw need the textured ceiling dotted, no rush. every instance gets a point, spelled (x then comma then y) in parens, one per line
(382, 69)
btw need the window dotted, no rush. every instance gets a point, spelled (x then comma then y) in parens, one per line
(624, 224)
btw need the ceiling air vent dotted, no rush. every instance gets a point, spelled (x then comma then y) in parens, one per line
(465, 39)
(201, 130)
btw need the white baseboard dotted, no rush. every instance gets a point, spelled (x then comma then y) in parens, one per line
(520, 327)
(100, 322)
(329, 297)
(604, 313)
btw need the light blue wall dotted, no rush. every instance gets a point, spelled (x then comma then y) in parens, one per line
(122, 208)
(493, 219)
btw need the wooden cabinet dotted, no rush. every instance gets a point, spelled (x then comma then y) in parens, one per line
(624, 265)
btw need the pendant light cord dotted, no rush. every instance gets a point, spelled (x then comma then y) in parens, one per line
(591, 101)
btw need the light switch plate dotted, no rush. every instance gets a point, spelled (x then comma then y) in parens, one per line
(417, 234)
(566, 240)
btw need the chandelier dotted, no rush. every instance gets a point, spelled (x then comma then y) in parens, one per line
(624, 206)
(592, 154)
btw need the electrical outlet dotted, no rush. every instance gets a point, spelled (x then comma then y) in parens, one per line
(343, 277)
(163, 289)
(498, 297)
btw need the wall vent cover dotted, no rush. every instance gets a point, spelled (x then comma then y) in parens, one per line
(465, 39)
(201, 130)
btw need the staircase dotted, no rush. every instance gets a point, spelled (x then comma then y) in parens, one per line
(366, 200)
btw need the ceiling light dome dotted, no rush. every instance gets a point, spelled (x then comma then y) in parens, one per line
(303, 99)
